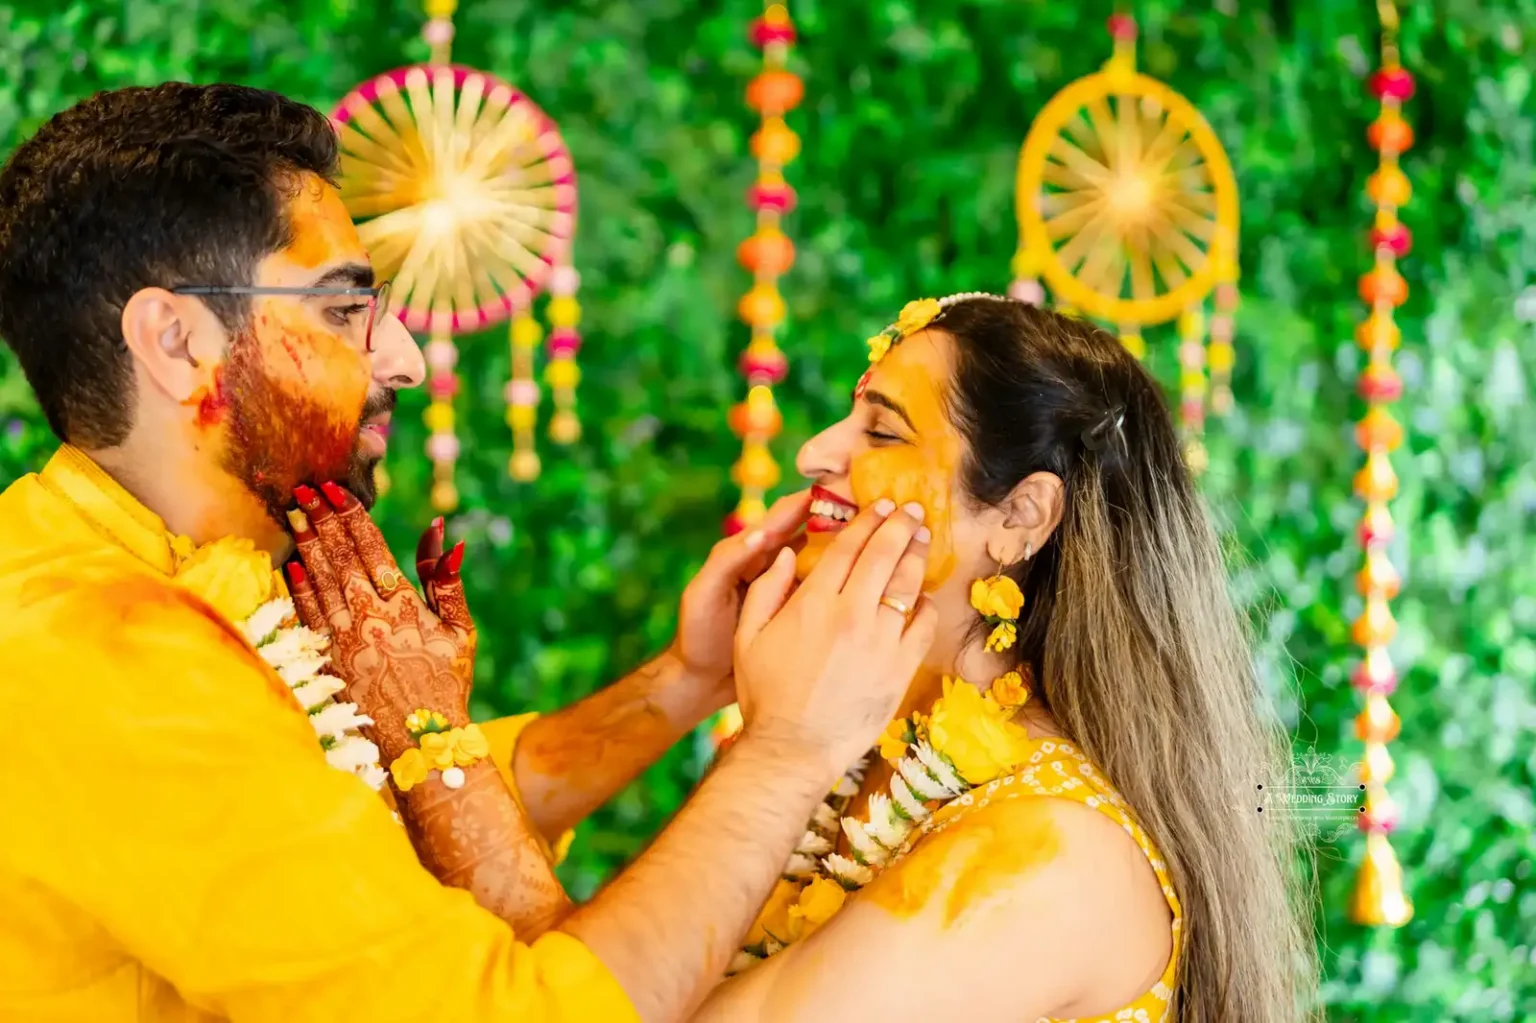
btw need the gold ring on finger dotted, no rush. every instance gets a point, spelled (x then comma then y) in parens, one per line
(389, 580)
(896, 605)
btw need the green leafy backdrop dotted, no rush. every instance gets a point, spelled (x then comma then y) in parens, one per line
(911, 124)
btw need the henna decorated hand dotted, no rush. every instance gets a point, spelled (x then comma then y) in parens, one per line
(397, 650)
(711, 604)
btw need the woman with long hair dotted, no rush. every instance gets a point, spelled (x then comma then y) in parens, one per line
(1060, 824)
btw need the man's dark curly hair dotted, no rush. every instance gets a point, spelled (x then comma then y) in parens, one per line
(135, 188)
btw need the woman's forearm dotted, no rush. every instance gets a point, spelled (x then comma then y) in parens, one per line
(476, 838)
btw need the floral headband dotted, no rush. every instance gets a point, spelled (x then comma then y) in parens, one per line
(915, 316)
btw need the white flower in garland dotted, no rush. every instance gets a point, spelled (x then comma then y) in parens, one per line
(965, 741)
(298, 656)
(338, 719)
(314, 694)
(846, 872)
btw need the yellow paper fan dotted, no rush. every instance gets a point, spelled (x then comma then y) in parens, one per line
(463, 190)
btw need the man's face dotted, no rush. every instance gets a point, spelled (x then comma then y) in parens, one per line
(300, 399)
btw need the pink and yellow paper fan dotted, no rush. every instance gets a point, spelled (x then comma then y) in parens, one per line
(463, 190)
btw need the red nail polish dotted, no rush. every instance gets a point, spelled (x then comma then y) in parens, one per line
(297, 577)
(338, 497)
(437, 523)
(306, 497)
(455, 558)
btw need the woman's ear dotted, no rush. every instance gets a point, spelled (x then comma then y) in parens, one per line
(175, 339)
(1030, 515)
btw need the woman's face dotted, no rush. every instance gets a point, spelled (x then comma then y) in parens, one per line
(899, 443)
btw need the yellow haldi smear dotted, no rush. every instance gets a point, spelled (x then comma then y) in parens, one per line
(971, 862)
(924, 470)
(323, 231)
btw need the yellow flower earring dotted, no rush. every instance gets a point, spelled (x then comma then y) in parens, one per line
(999, 600)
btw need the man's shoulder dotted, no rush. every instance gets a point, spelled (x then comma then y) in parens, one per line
(70, 597)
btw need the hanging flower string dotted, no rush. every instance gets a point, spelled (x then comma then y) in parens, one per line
(1378, 898)
(563, 374)
(766, 255)
(442, 355)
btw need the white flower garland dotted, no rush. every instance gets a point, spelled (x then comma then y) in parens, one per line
(923, 776)
(298, 655)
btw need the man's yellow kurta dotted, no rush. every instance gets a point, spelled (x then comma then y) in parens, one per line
(175, 845)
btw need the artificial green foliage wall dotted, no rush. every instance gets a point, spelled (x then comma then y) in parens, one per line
(912, 119)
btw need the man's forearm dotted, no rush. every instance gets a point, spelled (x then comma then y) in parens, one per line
(668, 926)
(569, 763)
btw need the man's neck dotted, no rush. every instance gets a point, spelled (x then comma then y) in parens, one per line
(194, 500)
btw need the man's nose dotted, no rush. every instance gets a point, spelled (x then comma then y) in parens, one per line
(396, 360)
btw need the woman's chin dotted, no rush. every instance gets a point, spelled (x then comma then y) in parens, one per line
(810, 555)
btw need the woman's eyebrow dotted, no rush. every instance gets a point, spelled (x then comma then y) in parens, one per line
(885, 401)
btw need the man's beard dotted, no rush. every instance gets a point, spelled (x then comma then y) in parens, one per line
(279, 439)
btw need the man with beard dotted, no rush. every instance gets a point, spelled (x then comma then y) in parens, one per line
(199, 320)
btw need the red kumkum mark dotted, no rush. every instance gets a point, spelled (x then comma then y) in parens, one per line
(863, 384)
(293, 353)
(211, 405)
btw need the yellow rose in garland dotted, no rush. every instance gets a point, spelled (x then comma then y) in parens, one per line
(410, 769)
(231, 575)
(974, 733)
(894, 740)
(773, 920)
(437, 748)
(819, 902)
(470, 745)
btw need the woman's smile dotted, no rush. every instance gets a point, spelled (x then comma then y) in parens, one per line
(829, 512)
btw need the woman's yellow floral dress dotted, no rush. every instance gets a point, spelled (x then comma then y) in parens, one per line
(1057, 769)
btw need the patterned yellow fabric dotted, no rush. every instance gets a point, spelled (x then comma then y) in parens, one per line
(1057, 769)
(177, 847)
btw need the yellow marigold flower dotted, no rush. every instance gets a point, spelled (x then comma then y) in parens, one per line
(974, 733)
(409, 770)
(1002, 638)
(997, 597)
(916, 315)
(437, 747)
(819, 902)
(878, 346)
(1009, 690)
(470, 745)
(893, 742)
(231, 575)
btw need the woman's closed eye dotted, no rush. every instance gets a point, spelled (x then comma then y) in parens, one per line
(881, 437)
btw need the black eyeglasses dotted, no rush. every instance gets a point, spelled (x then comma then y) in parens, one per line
(378, 298)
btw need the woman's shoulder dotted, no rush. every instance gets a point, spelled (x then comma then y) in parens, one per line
(1054, 769)
(1058, 836)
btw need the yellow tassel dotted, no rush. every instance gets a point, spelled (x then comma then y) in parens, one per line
(1378, 899)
